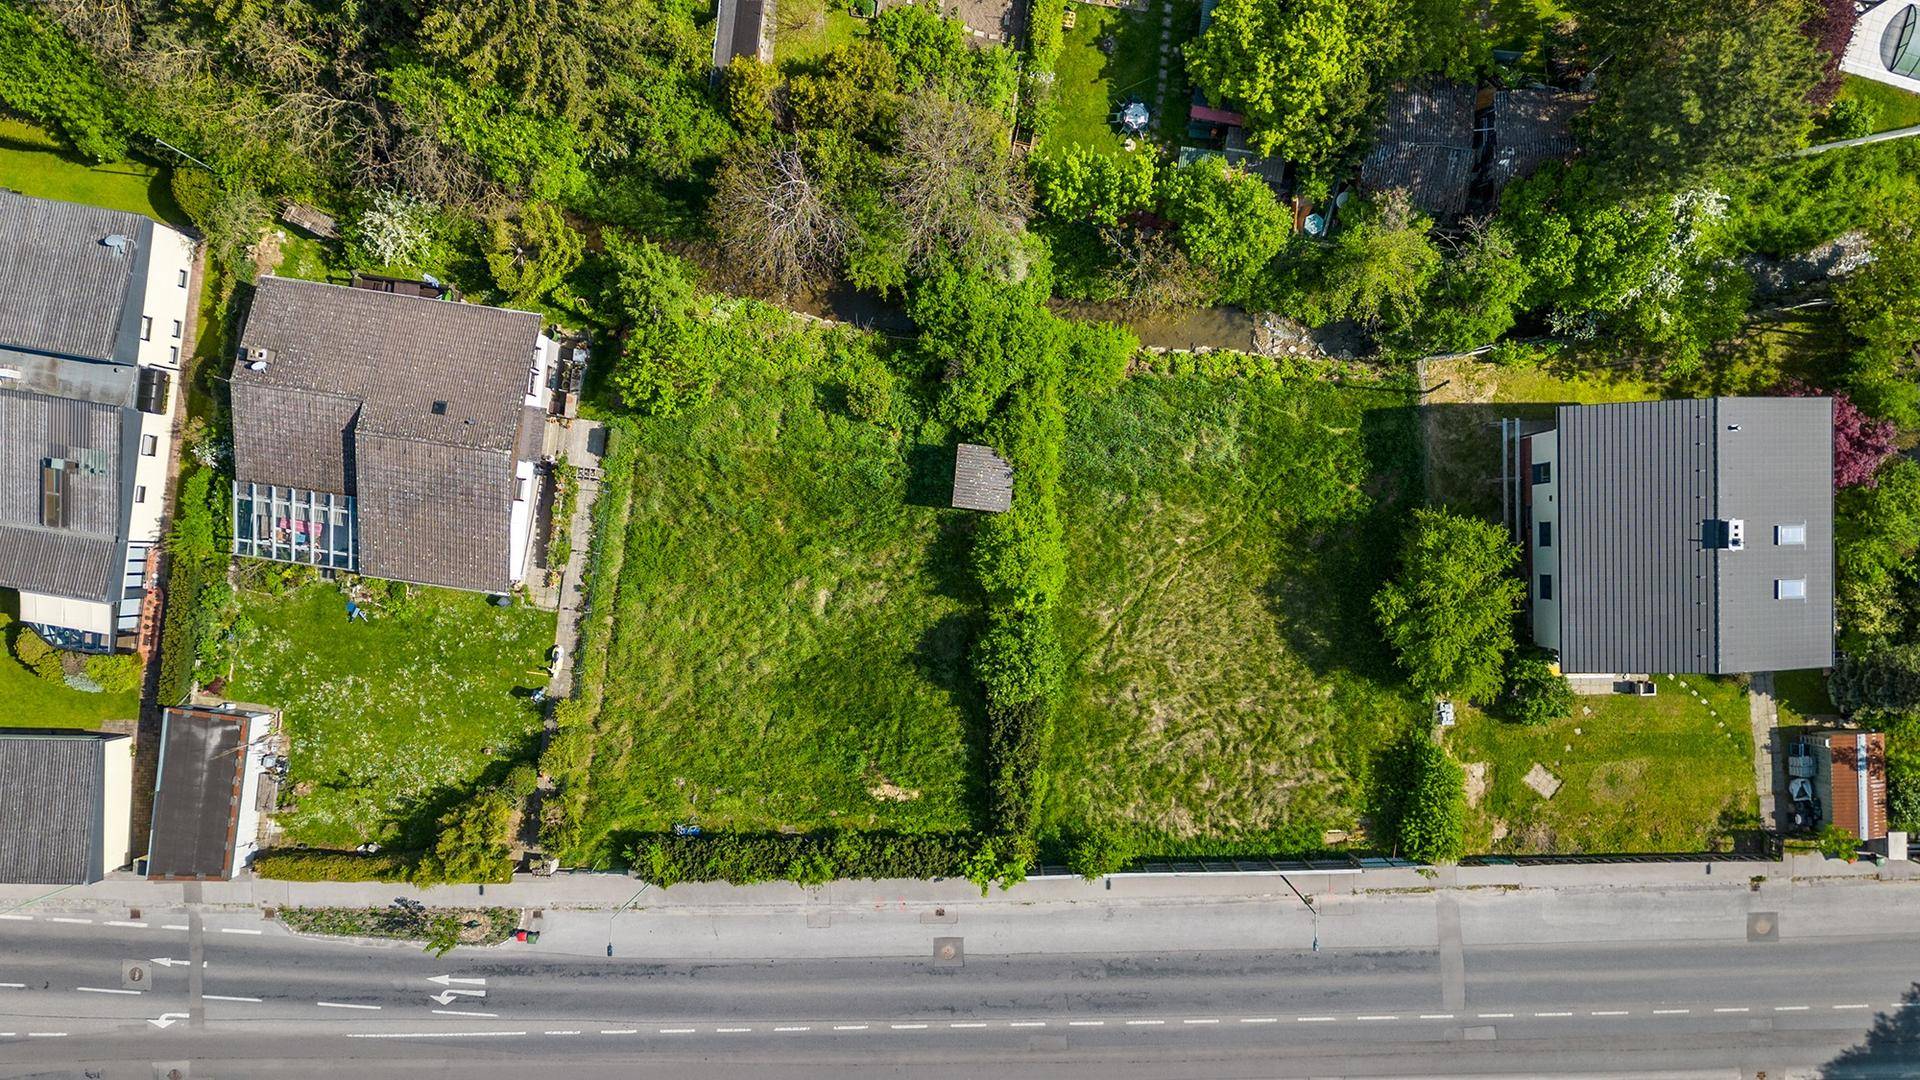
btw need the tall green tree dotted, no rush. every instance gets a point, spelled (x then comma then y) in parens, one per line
(1449, 611)
(1297, 69)
(531, 252)
(1692, 88)
(1085, 184)
(1230, 223)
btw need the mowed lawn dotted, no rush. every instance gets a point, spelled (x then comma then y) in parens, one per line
(1670, 773)
(390, 719)
(1091, 83)
(34, 163)
(28, 701)
(1898, 108)
(1228, 691)
(793, 617)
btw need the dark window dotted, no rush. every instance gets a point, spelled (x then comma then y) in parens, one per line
(1546, 534)
(1900, 46)
(53, 492)
(1543, 472)
(1546, 586)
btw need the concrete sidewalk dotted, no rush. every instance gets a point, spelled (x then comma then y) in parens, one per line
(608, 892)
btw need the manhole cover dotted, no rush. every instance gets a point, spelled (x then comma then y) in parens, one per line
(135, 975)
(948, 952)
(1763, 926)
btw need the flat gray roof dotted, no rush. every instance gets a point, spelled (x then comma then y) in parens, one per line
(1645, 584)
(197, 799)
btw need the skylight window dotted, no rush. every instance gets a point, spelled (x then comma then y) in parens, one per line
(1790, 535)
(1790, 588)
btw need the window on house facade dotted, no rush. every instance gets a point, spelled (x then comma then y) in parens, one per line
(183, 277)
(1792, 588)
(173, 353)
(149, 446)
(1543, 472)
(140, 493)
(1546, 586)
(1546, 534)
(146, 328)
(176, 328)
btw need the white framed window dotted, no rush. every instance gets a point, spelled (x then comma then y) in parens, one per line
(1793, 534)
(146, 328)
(149, 446)
(140, 493)
(1791, 588)
(176, 328)
(183, 277)
(173, 353)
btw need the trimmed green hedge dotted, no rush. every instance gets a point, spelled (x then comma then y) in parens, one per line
(311, 864)
(808, 858)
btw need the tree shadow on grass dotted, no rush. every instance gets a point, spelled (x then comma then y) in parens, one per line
(416, 824)
(1890, 1048)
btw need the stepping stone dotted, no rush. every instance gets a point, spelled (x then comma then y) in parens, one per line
(1541, 781)
(1576, 731)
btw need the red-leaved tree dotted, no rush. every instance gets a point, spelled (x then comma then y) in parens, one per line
(1831, 28)
(1860, 442)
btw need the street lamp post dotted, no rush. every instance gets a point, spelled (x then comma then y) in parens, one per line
(1311, 910)
(616, 914)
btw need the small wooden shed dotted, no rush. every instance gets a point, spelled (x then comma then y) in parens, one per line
(310, 219)
(982, 479)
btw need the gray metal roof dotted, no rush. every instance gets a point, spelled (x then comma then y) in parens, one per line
(982, 479)
(1532, 126)
(79, 558)
(196, 802)
(52, 807)
(1424, 144)
(62, 289)
(412, 405)
(1642, 587)
(738, 28)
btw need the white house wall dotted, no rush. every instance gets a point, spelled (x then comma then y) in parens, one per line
(86, 616)
(117, 797)
(164, 300)
(1545, 507)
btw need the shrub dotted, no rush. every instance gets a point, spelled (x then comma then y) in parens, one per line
(116, 674)
(309, 864)
(1536, 694)
(1903, 795)
(48, 79)
(869, 387)
(1098, 354)
(745, 858)
(194, 190)
(1423, 801)
(523, 781)
(1887, 678)
(39, 657)
(473, 844)
(1836, 843)
(1449, 612)
(1097, 853)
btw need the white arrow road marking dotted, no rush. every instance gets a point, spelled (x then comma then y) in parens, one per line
(445, 997)
(447, 980)
(168, 961)
(166, 1020)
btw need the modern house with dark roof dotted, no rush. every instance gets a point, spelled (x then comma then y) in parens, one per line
(208, 791)
(66, 806)
(1682, 536)
(94, 317)
(389, 435)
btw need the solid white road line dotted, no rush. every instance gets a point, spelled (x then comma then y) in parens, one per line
(433, 1034)
(459, 1012)
(64, 919)
(343, 1005)
(227, 997)
(125, 922)
(240, 930)
(105, 990)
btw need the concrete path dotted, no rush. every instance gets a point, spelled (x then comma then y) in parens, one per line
(1769, 778)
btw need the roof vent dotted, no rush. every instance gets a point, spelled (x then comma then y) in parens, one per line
(257, 358)
(118, 243)
(1736, 534)
(1728, 534)
(439, 408)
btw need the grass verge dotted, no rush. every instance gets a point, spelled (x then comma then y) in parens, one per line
(476, 926)
(34, 163)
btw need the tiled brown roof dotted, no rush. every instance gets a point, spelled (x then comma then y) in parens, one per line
(1843, 800)
(1425, 146)
(411, 405)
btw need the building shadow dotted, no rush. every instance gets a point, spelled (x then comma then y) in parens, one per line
(1890, 1048)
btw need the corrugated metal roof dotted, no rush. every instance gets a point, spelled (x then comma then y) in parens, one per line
(52, 808)
(1424, 144)
(62, 290)
(1641, 587)
(982, 479)
(197, 798)
(1531, 126)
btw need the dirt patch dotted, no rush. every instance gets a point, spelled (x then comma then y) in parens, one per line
(266, 252)
(888, 791)
(1541, 781)
(1478, 774)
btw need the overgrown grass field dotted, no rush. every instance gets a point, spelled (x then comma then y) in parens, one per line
(1227, 688)
(1670, 773)
(393, 719)
(792, 620)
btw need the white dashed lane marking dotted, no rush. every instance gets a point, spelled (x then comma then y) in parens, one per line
(849, 1027)
(619, 1031)
(1613, 1012)
(343, 1005)
(1862, 1005)
(17, 918)
(677, 1031)
(105, 990)
(1671, 1012)
(240, 930)
(228, 997)
(459, 1012)
(1791, 1008)
(64, 919)
(125, 922)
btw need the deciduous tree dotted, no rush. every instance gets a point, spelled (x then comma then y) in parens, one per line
(1449, 610)
(775, 225)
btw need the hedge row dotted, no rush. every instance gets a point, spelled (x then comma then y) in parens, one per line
(808, 858)
(198, 595)
(309, 864)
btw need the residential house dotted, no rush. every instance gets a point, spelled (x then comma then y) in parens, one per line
(208, 793)
(66, 806)
(1681, 536)
(95, 315)
(389, 435)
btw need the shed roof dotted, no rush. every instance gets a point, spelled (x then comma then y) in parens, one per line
(1531, 126)
(1644, 586)
(982, 479)
(52, 807)
(1846, 787)
(196, 800)
(1424, 144)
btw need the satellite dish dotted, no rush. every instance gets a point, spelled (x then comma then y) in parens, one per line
(1340, 200)
(1316, 225)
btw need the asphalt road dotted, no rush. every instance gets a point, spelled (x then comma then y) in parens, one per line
(233, 997)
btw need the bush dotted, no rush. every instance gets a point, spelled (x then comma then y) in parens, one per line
(746, 859)
(1449, 611)
(308, 864)
(869, 387)
(1887, 678)
(51, 81)
(1850, 118)
(1837, 843)
(523, 781)
(1096, 854)
(195, 191)
(40, 658)
(473, 844)
(1424, 801)
(1098, 355)
(1536, 694)
(116, 674)
(1903, 795)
